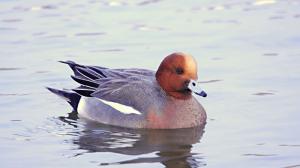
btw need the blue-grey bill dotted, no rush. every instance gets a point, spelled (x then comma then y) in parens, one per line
(194, 86)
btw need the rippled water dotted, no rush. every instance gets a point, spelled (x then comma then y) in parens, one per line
(248, 54)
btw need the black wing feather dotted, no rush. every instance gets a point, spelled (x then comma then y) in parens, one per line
(85, 81)
(88, 73)
(98, 70)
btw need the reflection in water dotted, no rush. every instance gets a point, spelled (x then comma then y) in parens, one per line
(172, 147)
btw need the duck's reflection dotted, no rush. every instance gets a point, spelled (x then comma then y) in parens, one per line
(172, 147)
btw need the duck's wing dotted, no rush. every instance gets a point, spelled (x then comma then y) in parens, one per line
(134, 92)
(130, 87)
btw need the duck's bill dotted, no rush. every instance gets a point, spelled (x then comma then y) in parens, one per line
(194, 86)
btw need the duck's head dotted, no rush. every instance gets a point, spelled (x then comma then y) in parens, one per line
(177, 76)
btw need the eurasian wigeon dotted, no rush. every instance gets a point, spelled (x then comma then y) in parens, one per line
(139, 98)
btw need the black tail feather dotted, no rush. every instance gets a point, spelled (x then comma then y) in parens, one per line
(71, 97)
(83, 92)
(84, 75)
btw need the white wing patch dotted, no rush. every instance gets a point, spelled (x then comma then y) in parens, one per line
(121, 107)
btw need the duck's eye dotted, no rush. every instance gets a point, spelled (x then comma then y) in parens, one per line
(179, 71)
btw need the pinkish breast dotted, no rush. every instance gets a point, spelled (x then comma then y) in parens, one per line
(177, 114)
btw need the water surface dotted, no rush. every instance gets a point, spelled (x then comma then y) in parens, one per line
(248, 54)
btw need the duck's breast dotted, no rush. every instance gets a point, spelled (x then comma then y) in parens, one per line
(177, 114)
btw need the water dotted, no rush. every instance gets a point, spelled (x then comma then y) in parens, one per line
(248, 54)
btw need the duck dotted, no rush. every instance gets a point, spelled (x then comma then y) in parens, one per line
(139, 98)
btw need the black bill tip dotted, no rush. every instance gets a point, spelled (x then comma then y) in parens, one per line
(202, 93)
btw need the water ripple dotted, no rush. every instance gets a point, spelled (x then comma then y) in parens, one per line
(11, 69)
(108, 50)
(289, 145)
(11, 20)
(148, 2)
(90, 34)
(263, 93)
(259, 154)
(270, 54)
(292, 166)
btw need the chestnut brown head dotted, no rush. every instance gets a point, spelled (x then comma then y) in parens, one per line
(177, 75)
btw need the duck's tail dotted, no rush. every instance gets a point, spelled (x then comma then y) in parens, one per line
(71, 97)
